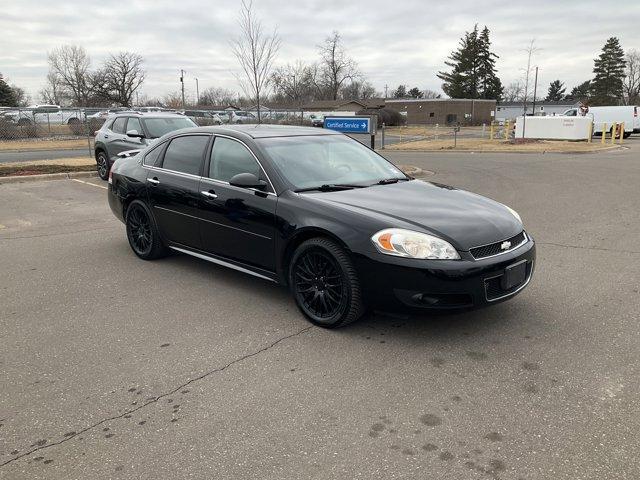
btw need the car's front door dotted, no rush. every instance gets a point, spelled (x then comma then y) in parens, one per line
(172, 187)
(237, 223)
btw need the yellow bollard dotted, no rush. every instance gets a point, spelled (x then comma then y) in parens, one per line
(621, 132)
(614, 129)
(604, 133)
(590, 139)
(491, 131)
(506, 130)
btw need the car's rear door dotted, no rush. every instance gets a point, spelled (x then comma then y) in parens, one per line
(172, 187)
(116, 142)
(237, 223)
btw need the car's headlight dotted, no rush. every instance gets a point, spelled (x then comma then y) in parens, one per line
(514, 213)
(406, 243)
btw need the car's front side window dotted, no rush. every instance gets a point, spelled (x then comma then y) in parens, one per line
(185, 154)
(229, 158)
(134, 124)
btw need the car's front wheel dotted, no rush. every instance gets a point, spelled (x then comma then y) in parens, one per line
(324, 283)
(142, 233)
(102, 162)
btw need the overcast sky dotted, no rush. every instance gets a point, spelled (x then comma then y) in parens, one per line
(393, 42)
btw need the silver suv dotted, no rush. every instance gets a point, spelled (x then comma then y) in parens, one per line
(132, 131)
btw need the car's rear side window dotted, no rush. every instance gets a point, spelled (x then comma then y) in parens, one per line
(185, 154)
(118, 124)
(151, 158)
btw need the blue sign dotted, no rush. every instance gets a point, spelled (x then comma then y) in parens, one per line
(348, 124)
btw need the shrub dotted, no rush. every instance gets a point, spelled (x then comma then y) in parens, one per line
(386, 115)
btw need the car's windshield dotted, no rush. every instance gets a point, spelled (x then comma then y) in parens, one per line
(159, 126)
(316, 160)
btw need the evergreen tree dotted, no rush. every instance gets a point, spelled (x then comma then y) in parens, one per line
(608, 70)
(415, 92)
(400, 92)
(7, 95)
(580, 93)
(473, 73)
(556, 91)
(490, 83)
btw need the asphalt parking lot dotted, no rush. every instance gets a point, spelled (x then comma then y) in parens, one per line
(117, 368)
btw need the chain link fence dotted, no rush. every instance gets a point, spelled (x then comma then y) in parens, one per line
(43, 122)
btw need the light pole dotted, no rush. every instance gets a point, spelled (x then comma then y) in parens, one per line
(182, 85)
(535, 90)
(197, 93)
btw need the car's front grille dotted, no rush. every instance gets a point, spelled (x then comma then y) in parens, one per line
(496, 248)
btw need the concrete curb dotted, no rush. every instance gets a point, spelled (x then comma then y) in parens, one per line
(520, 152)
(46, 177)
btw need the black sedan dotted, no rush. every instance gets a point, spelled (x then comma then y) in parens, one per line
(319, 212)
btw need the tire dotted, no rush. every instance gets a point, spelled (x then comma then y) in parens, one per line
(324, 284)
(626, 135)
(23, 122)
(142, 232)
(73, 121)
(102, 163)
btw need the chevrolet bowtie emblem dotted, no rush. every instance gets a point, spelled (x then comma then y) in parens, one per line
(505, 245)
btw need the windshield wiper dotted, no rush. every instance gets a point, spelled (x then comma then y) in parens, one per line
(387, 181)
(331, 187)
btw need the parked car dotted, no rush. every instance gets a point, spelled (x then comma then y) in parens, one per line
(317, 211)
(203, 117)
(132, 131)
(608, 115)
(238, 117)
(43, 115)
(317, 120)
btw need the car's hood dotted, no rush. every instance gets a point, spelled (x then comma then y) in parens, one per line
(464, 219)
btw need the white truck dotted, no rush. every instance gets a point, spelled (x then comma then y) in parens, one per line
(43, 115)
(607, 116)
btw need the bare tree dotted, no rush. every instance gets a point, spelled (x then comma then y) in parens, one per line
(217, 96)
(631, 85)
(119, 78)
(427, 93)
(294, 83)
(53, 92)
(70, 64)
(359, 90)
(513, 92)
(173, 100)
(256, 52)
(336, 68)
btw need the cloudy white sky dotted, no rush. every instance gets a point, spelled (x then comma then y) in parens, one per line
(393, 42)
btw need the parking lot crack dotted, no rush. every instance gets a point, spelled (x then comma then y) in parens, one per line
(614, 250)
(161, 396)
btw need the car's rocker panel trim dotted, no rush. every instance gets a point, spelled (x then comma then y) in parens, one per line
(221, 262)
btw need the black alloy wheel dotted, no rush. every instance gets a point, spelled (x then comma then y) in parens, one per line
(324, 283)
(103, 165)
(142, 233)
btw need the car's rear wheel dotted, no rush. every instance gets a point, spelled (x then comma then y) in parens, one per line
(142, 233)
(325, 284)
(102, 162)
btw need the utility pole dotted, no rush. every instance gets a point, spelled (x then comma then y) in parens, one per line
(197, 93)
(535, 90)
(182, 84)
(386, 87)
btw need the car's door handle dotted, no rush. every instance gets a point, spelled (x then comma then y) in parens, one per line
(153, 181)
(209, 194)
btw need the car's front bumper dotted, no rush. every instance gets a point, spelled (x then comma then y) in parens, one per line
(398, 284)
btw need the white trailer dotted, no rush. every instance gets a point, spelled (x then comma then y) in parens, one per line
(554, 128)
(607, 116)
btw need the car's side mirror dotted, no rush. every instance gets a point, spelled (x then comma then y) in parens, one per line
(134, 134)
(247, 180)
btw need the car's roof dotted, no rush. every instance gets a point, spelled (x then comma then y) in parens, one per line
(129, 113)
(264, 131)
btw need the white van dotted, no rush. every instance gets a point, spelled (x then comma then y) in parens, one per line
(627, 114)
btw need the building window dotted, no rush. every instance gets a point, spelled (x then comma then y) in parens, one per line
(432, 114)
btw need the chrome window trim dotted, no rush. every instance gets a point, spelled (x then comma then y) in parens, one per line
(222, 262)
(525, 240)
(174, 172)
(215, 135)
(526, 282)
